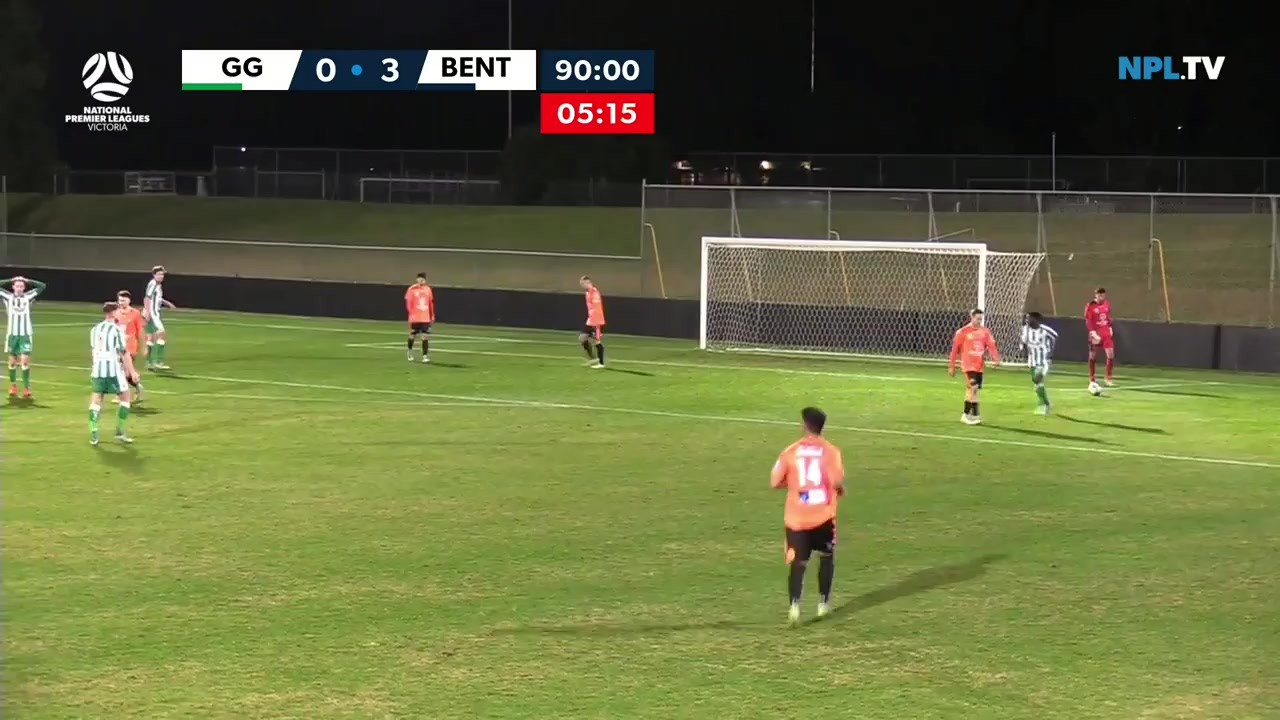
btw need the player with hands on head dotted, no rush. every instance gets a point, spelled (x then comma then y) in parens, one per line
(971, 346)
(17, 294)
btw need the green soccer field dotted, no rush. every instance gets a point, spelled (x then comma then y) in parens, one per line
(308, 526)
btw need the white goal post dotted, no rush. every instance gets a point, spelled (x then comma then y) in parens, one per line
(857, 297)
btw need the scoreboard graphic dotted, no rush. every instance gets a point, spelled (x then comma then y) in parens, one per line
(584, 91)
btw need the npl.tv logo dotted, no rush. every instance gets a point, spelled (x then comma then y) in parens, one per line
(1146, 67)
(107, 76)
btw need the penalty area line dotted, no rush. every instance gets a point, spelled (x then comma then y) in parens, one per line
(514, 403)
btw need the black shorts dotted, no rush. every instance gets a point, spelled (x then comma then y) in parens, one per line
(803, 543)
(975, 379)
(595, 332)
(419, 328)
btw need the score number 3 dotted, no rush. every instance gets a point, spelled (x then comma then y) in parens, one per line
(326, 70)
(813, 489)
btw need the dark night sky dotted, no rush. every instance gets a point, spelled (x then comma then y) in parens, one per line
(906, 76)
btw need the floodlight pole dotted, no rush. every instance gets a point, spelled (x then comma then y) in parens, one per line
(813, 41)
(509, 47)
(1053, 161)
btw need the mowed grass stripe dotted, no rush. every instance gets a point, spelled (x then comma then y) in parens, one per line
(513, 402)
(646, 345)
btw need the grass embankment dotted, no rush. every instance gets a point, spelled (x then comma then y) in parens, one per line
(1217, 263)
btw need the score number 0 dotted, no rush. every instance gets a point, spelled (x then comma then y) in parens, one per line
(326, 70)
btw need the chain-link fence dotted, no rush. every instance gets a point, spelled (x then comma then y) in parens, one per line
(443, 164)
(1217, 255)
(984, 172)
(1180, 257)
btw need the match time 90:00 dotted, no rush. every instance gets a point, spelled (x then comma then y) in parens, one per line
(609, 70)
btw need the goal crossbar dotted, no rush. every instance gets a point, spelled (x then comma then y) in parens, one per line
(891, 298)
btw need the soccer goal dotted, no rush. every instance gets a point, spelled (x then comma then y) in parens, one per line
(851, 297)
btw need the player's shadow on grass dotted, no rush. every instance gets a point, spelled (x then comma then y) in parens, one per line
(143, 410)
(451, 366)
(640, 373)
(1115, 426)
(16, 404)
(168, 375)
(1048, 435)
(123, 457)
(914, 584)
(1181, 393)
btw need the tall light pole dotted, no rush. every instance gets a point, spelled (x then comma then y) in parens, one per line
(509, 47)
(813, 41)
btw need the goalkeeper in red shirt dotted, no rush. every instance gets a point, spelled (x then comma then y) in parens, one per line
(1097, 321)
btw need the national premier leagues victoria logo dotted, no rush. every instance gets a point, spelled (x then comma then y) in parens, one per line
(96, 82)
(107, 77)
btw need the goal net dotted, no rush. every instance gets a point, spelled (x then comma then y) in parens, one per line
(883, 299)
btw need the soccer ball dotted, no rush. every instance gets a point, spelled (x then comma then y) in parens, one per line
(1095, 389)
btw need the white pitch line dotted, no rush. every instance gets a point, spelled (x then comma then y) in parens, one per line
(514, 403)
(763, 368)
(303, 328)
(292, 398)
(529, 341)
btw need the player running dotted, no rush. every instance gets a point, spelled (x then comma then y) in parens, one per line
(130, 322)
(1038, 341)
(17, 298)
(112, 368)
(152, 304)
(592, 336)
(811, 470)
(1097, 320)
(971, 345)
(420, 302)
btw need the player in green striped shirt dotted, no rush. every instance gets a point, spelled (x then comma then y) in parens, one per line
(17, 294)
(111, 371)
(1038, 341)
(152, 305)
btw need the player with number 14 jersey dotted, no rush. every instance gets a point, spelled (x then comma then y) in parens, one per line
(811, 470)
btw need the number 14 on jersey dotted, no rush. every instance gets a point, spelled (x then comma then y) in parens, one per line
(813, 486)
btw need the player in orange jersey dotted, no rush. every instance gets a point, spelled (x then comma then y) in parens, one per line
(592, 336)
(420, 303)
(1097, 322)
(131, 323)
(811, 470)
(971, 345)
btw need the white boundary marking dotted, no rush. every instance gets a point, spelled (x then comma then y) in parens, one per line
(703, 366)
(293, 398)
(513, 403)
(789, 371)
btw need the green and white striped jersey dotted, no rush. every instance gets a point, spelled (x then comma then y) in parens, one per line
(107, 343)
(19, 307)
(1039, 343)
(155, 293)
